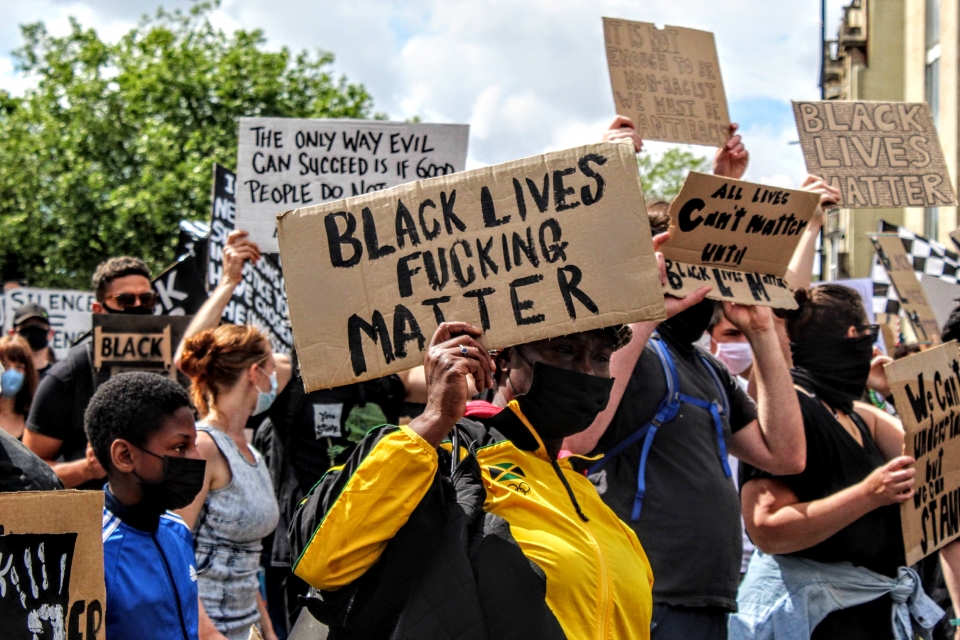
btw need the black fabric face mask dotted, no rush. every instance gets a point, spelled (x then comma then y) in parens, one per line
(181, 482)
(836, 370)
(688, 326)
(562, 402)
(36, 337)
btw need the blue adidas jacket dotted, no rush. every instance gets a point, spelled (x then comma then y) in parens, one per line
(150, 574)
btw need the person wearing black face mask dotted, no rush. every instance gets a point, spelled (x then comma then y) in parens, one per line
(141, 428)
(55, 424)
(844, 508)
(536, 552)
(32, 323)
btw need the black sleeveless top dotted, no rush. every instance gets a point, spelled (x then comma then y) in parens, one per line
(835, 461)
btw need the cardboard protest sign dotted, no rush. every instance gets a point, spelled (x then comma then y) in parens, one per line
(261, 299)
(51, 565)
(70, 312)
(667, 81)
(913, 299)
(124, 343)
(878, 154)
(284, 163)
(926, 387)
(737, 237)
(181, 288)
(525, 250)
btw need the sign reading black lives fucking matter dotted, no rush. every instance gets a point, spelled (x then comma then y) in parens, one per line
(525, 250)
(285, 163)
(260, 299)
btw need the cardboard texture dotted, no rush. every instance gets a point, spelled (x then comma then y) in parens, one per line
(926, 387)
(284, 163)
(261, 298)
(69, 311)
(667, 81)
(913, 299)
(737, 237)
(878, 154)
(124, 343)
(51, 565)
(525, 250)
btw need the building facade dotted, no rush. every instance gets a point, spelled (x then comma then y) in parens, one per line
(893, 50)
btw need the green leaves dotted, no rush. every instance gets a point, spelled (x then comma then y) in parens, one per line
(663, 178)
(116, 142)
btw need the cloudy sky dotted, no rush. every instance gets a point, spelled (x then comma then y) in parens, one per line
(527, 75)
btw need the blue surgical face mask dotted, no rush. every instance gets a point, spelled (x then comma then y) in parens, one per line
(11, 381)
(265, 400)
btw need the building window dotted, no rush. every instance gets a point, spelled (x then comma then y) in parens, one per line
(931, 215)
(933, 23)
(931, 222)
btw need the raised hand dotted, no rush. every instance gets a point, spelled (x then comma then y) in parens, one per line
(622, 129)
(673, 304)
(237, 251)
(732, 158)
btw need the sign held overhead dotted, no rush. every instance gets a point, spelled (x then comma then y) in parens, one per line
(667, 81)
(878, 154)
(913, 299)
(285, 163)
(525, 250)
(926, 387)
(737, 237)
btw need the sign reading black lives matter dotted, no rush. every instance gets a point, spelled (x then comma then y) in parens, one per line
(285, 163)
(261, 299)
(667, 81)
(926, 387)
(51, 565)
(878, 154)
(123, 342)
(525, 250)
(737, 237)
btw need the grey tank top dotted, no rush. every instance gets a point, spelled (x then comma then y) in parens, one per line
(232, 523)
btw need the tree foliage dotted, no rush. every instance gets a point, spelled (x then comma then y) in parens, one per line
(663, 177)
(116, 141)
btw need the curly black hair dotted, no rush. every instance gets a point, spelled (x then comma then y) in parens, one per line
(131, 406)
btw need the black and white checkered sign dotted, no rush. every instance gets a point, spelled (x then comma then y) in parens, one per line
(929, 257)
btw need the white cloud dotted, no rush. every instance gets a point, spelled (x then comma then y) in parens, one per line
(528, 77)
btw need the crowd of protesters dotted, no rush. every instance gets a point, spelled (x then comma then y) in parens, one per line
(730, 472)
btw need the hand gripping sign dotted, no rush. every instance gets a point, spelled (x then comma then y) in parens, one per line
(526, 250)
(737, 237)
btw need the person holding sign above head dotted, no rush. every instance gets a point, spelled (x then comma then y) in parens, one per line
(837, 522)
(55, 423)
(141, 426)
(465, 519)
(234, 375)
(675, 489)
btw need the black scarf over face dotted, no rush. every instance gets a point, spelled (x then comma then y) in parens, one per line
(835, 369)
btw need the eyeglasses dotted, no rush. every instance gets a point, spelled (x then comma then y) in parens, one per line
(128, 300)
(869, 329)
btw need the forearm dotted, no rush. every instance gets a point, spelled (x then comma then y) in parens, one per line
(73, 474)
(209, 315)
(207, 630)
(266, 624)
(800, 271)
(622, 364)
(781, 423)
(800, 526)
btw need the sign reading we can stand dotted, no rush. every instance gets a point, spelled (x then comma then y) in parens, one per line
(878, 154)
(737, 237)
(667, 81)
(284, 163)
(525, 250)
(909, 290)
(926, 387)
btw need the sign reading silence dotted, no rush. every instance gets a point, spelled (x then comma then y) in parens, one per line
(525, 250)
(737, 237)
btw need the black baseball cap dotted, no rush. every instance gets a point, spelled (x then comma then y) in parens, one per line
(28, 311)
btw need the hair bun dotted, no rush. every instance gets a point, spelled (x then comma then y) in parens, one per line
(197, 353)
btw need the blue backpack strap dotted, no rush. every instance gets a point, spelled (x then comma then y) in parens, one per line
(716, 410)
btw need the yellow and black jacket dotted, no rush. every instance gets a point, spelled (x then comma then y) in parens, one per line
(403, 542)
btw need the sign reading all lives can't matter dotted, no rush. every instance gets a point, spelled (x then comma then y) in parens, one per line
(525, 250)
(926, 387)
(285, 163)
(667, 81)
(878, 154)
(737, 237)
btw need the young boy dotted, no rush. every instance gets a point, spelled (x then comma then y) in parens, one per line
(141, 428)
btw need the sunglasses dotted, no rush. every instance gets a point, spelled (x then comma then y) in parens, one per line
(128, 300)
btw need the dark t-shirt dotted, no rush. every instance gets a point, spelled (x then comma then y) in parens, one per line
(61, 400)
(836, 461)
(690, 524)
